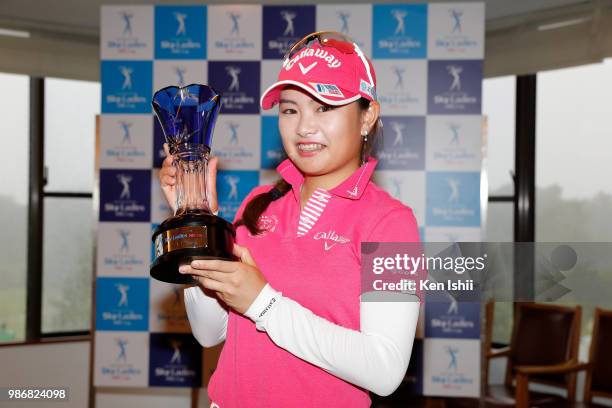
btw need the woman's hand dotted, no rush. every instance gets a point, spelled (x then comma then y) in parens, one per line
(167, 179)
(236, 283)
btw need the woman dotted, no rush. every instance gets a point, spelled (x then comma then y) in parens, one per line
(295, 331)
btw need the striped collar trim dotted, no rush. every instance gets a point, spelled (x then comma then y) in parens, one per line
(352, 188)
(312, 211)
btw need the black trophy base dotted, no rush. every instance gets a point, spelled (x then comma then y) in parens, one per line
(188, 237)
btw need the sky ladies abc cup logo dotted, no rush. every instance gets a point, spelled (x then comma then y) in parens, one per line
(125, 141)
(126, 86)
(175, 360)
(400, 31)
(456, 31)
(453, 142)
(234, 32)
(179, 33)
(398, 94)
(237, 141)
(127, 32)
(283, 26)
(403, 146)
(453, 199)
(125, 195)
(455, 368)
(238, 83)
(121, 251)
(454, 87)
(121, 358)
(122, 304)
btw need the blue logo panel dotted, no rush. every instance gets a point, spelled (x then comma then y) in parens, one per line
(272, 151)
(175, 360)
(125, 195)
(122, 304)
(452, 320)
(454, 87)
(283, 26)
(180, 32)
(126, 86)
(399, 31)
(232, 187)
(403, 143)
(238, 83)
(453, 199)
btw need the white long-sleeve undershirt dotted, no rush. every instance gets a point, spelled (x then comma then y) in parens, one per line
(374, 358)
(208, 319)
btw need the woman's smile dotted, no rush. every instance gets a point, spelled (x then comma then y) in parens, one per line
(308, 149)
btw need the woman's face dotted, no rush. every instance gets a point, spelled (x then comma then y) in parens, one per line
(319, 138)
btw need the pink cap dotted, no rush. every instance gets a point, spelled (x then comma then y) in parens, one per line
(328, 74)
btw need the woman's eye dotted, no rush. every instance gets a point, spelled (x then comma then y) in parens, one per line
(325, 108)
(288, 111)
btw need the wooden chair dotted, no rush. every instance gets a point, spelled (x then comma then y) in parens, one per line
(544, 338)
(598, 379)
(598, 382)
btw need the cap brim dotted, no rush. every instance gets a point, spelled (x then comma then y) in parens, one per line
(271, 96)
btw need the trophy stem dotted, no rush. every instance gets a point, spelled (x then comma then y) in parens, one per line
(191, 188)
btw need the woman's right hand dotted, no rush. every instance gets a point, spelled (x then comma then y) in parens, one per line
(167, 178)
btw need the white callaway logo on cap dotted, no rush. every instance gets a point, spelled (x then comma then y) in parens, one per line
(331, 60)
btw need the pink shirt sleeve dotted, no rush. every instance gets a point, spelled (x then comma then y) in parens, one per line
(398, 225)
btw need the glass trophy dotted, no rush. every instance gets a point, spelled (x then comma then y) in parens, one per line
(187, 117)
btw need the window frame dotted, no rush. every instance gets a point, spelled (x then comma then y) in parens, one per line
(523, 198)
(36, 201)
(524, 159)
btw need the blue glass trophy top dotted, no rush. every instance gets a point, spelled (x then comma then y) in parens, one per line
(187, 115)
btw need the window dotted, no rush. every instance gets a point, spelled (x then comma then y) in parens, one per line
(70, 124)
(499, 107)
(68, 207)
(574, 152)
(573, 165)
(500, 225)
(67, 264)
(14, 167)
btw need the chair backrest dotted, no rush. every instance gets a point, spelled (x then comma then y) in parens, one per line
(598, 381)
(544, 334)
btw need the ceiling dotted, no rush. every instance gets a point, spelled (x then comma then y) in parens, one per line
(81, 17)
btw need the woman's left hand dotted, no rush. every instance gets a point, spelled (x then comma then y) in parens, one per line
(237, 283)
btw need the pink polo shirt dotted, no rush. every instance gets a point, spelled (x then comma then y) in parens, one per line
(313, 257)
